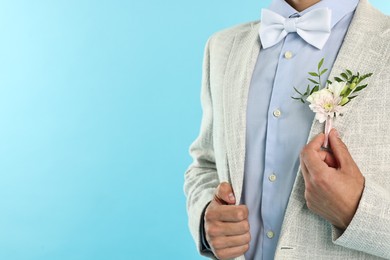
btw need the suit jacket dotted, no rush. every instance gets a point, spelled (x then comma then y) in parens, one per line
(219, 150)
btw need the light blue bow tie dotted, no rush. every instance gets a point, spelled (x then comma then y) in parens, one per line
(314, 27)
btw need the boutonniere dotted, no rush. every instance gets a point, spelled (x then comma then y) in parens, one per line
(328, 102)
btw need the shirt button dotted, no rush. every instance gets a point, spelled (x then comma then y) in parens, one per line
(288, 55)
(272, 178)
(277, 113)
(270, 234)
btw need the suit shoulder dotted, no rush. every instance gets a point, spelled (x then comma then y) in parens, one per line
(232, 31)
(386, 26)
(379, 20)
(381, 32)
(227, 35)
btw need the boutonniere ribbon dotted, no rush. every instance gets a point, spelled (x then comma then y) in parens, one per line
(328, 102)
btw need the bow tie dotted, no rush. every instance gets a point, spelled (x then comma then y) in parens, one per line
(314, 27)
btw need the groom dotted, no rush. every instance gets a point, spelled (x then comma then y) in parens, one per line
(255, 188)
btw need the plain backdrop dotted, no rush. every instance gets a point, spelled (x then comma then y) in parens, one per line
(99, 101)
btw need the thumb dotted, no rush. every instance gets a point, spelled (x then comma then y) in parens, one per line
(224, 194)
(339, 149)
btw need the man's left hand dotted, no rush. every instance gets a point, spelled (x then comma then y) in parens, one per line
(334, 183)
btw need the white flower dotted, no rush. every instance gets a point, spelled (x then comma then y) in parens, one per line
(326, 102)
(336, 88)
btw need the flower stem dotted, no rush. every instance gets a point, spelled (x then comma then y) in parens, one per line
(328, 127)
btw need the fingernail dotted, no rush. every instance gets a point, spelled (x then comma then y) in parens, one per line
(231, 197)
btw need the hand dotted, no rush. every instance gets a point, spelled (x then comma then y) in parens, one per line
(334, 183)
(226, 225)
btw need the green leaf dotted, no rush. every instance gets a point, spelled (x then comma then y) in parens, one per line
(352, 97)
(323, 71)
(313, 81)
(344, 76)
(338, 79)
(360, 87)
(347, 92)
(329, 82)
(298, 91)
(364, 77)
(367, 75)
(349, 72)
(344, 101)
(315, 89)
(314, 74)
(354, 78)
(307, 91)
(303, 101)
(296, 98)
(320, 64)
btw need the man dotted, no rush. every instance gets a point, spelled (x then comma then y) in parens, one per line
(248, 193)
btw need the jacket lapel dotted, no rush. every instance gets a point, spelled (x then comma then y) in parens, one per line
(237, 79)
(351, 56)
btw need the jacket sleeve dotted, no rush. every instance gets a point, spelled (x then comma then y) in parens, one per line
(201, 178)
(369, 230)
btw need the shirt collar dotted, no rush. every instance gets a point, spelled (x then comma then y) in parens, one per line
(339, 8)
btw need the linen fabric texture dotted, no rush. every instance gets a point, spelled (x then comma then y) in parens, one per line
(219, 151)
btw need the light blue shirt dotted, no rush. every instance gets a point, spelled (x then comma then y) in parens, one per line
(278, 126)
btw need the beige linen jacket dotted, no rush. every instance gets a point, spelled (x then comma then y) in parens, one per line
(219, 151)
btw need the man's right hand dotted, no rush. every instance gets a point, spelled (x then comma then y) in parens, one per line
(226, 225)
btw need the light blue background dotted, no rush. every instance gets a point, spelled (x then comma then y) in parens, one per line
(99, 101)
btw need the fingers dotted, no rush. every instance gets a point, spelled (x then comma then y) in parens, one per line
(339, 149)
(227, 239)
(216, 229)
(224, 194)
(316, 143)
(305, 173)
(312, 153)
(333, 182)
(231, 241)
(226, 225)
(231, 252)
(227, 213)
(330, 160)
(312, 157)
